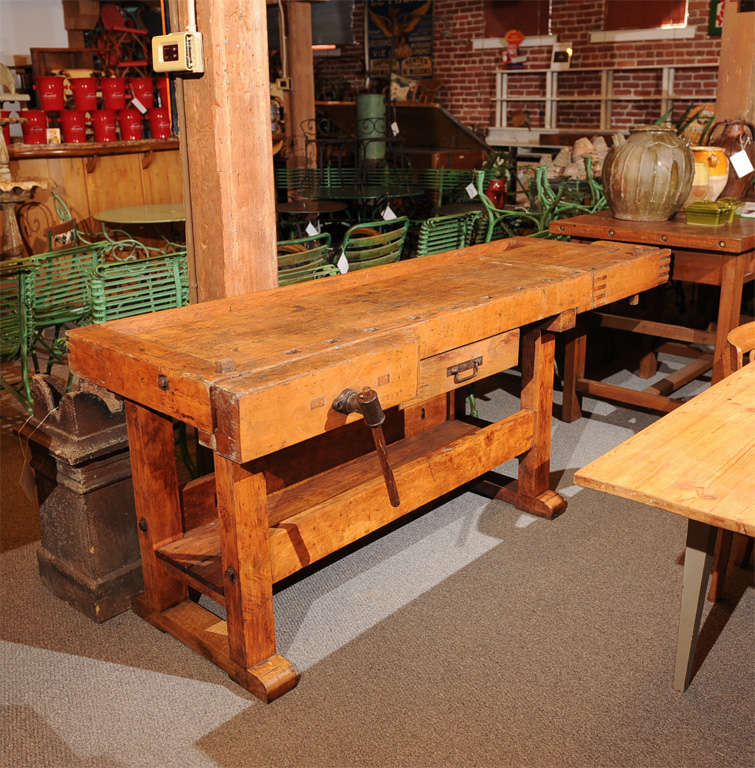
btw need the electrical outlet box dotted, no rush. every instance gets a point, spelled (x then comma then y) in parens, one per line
(284, 83)
(178, 52)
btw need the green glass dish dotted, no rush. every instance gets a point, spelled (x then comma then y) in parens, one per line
(712, 214)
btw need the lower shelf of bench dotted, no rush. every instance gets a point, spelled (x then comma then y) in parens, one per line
(316, 517)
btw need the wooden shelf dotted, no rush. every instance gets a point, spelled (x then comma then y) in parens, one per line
(317, 509)
(18, 151)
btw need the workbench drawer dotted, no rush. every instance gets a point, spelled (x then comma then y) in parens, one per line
(472, 362)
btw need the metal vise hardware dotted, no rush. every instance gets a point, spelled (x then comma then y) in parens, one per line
(455, 370)
(367, 403)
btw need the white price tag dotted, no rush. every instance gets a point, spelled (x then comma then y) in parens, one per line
(471, 190)
(139, 105)
(394, 128)
(311, 229)
(741, 163)
(388, 214)
(343, 263)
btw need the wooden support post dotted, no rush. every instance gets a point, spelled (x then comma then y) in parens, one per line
(158, 507)
(248, 581)
(575, 353)
(538, 354)
(735, 97)
(302, 80)
(532, 492)
(729, 307)
(227, 142)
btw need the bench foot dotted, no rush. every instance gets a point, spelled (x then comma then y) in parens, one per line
(546, 504)
(270, 678)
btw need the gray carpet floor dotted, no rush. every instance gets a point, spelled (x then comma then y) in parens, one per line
(471, 635)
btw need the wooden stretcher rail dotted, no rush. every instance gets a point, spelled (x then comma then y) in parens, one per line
(318, 516)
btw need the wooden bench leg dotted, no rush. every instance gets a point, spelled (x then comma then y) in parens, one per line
(729, 307)
(158, 506)
(701, 539)
(248, 581)
(532, 492)
(575, 355)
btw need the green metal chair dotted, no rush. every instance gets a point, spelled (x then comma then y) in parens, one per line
(446, 233)
(16, 325)
(126, 288)
(307, 258)
(373, 243)
(508, 221)
(59, 289)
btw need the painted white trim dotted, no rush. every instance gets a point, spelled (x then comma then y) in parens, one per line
(626, 35)
(482, 43)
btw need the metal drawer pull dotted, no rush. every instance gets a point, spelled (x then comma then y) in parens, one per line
(455, 370)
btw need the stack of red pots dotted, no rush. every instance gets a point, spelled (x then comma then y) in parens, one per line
(121, 113)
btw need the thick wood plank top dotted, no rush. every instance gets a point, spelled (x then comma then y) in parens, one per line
(736, 237)
(532, 279)
(270, 347)
(697, 461)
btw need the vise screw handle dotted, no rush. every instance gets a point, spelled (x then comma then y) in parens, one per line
(367, 403)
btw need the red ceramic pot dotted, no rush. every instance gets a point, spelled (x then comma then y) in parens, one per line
(35, 128)
(103, 122)
(114, 92)
(84, 93)
(74, 125)
(159, 123)
(50, 92)
(130, 123)
(143, 89)
(496, 191)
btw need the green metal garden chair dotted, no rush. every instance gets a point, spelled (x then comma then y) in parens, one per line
(59, 290)
(446, 233)
(16, 325)
(307, 258)
(126, 288)
(373, 243)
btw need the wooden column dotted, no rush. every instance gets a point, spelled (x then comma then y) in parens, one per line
(226, 141)
(302, 77)
(736, 70)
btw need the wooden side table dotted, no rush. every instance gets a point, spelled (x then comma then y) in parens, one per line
(696, 462)
(722, 256)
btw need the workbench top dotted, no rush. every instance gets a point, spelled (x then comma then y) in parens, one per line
(278, 356)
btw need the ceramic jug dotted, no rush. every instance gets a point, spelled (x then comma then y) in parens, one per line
(735, 136)
(649, 176)
(713, 164)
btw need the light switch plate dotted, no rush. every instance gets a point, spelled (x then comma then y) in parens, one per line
(178, 52)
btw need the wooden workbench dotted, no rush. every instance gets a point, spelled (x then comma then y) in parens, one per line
(293, 479)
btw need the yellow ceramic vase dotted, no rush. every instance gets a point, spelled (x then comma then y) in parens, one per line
(717, 165)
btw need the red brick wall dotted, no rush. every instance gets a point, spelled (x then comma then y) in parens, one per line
(469, 75)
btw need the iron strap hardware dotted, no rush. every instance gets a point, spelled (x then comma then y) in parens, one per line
(455, 370)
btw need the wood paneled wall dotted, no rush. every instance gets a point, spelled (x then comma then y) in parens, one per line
(91, 184)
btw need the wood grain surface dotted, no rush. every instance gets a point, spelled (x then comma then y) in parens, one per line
(698, 461)
(736, 237)
(241, 354)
